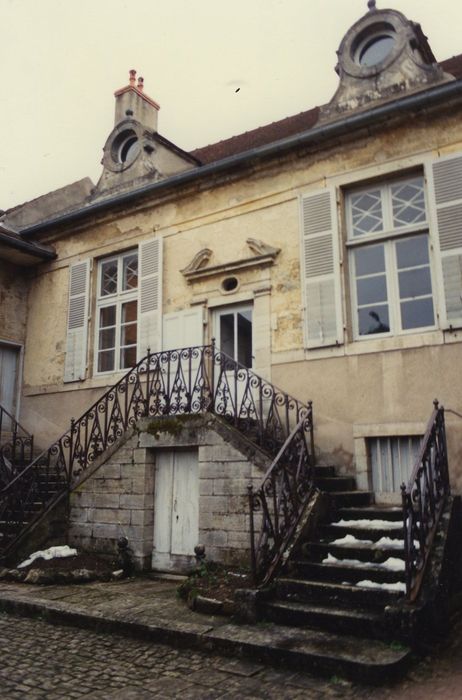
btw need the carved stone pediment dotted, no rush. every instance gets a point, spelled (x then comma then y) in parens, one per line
(198, 268)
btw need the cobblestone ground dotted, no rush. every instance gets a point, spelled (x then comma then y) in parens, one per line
(39, 660)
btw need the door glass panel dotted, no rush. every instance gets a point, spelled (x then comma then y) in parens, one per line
(244, 338)
(227, 334)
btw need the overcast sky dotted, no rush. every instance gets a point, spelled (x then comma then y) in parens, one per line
(61, 60)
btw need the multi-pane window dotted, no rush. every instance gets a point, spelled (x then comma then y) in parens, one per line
(117, 312)
(391, 281)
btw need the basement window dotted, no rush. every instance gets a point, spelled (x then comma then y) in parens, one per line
(392, 460)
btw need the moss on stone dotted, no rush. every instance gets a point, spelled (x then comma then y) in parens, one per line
(173, 425)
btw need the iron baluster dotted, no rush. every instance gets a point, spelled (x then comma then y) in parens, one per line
(148, 386)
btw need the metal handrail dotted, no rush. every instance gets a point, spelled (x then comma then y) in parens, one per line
(423, 500)
(19, 447)
(175, 382)
(281, 500)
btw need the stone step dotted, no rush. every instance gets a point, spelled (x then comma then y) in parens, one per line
(317, 551)
(333, 531)
(338, 594)
(357, 622)
(340, 573)
(347, 499)
(336, 483)
(317, 651)
(373, 512)
(322, 471)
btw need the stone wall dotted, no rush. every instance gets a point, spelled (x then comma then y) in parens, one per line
(118, 499)
(14, 286)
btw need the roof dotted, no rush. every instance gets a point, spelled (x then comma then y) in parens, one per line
(285, 127)
(15, 249)
(237, 151)
(258, 137)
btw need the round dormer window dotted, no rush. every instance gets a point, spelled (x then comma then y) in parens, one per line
(374, 50)
(129, 150)
(126, 147)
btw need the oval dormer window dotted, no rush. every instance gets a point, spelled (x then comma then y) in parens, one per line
(128, 149)
(125, 147)
(374, 50)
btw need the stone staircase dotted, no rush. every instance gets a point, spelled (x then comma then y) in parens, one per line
(44, 486)
(345, 582)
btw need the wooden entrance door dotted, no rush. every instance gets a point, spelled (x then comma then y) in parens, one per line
(176, 509)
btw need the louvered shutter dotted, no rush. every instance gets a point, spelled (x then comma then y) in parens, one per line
(447, 185)
(77, 322)
(150, 297)
(320, 270)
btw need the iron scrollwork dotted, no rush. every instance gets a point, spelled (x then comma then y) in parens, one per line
(172, 382)
(423, 500)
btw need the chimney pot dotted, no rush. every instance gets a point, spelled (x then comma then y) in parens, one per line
(140, 85)
(132, 77)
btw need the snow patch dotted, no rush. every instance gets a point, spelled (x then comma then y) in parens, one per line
(350, 539)
(390, 543)
(50, 553)
(398, 586)
(370, 524)
(390, 564)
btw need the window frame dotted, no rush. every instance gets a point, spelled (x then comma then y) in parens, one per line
(234, 309)
(388, 237)
(117, 299)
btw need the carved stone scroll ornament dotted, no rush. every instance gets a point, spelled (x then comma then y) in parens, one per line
(199, 261)
(259, 248)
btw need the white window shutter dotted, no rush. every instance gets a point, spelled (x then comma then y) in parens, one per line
(183, 329)
(77, 322)
(320, 270)
(447, 187)
(150, 297)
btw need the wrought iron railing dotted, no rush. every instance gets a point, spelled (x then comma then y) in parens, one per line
(280, 501)
(423, 500)
(174, 382)
(16, 446)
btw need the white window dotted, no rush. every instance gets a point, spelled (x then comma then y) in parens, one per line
(391, 279)
(117, 312)
(392, 460)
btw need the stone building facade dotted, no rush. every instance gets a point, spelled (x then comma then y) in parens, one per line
(324, 251)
